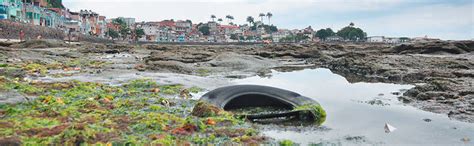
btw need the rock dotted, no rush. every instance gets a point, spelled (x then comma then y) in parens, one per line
(203, 109)
(170, 66)
(12, 72)
(40, 44)
(435, 47)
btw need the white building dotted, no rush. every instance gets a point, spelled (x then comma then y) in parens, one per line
(392, 40)
(152, 31)
(282, 33)
(334, 39)
(376, 39)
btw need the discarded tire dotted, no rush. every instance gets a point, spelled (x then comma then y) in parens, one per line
(296, 107)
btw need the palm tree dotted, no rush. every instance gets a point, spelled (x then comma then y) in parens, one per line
(261, 15)
(352, 24)
(269, 15)
(213, 17)
(250, 20)
(220, 20)
(229, 18)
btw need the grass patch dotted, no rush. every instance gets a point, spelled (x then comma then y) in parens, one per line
(203, 72)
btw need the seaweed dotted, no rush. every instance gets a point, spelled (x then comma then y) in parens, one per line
(92, 113)
(315, 109)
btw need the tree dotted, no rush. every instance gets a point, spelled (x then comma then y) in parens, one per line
(269, 16)
(270, 28)
(324, 33)
(204, 29)
(123, 28)
(234, 37)
(220, 20)
(250, 19)
(189, 21)
(241, 37)
(229, 18)
(112, 33)
(352, 33)
(351, 24)
(55, 4)
(139, 33)
(261, 15)
(213, 17)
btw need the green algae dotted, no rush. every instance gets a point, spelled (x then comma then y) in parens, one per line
(93, 113)
(316, 110)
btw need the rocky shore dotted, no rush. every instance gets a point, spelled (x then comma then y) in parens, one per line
(442, 71)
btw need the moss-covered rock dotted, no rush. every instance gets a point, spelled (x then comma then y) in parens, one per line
(316, 110)
(204, 109)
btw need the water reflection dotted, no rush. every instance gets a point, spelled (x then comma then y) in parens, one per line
(358, 112)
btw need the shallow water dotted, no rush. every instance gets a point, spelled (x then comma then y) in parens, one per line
(358, 112)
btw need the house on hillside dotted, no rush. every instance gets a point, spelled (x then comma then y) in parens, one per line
(376, 39)
(183, 26)
(334, 39)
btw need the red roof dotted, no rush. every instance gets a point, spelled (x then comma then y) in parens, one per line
(168, 23)
(101, 18)
(229, 27)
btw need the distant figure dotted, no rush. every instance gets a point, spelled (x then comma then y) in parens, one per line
(22, 35)
(69, 35)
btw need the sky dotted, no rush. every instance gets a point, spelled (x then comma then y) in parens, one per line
(445, 19)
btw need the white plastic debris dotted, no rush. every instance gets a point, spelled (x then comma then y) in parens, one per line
(389, 128)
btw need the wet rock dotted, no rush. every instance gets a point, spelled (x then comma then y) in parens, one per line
(10, 141)
(436, 47)
(356, 138)
(396, 93)
(427, 120)
(170, 66)
(232, 61)
(40, 44)
(11, 97)
(12, 72)
(203, 109)
(156, 47)
(180, 56)
(405, 99)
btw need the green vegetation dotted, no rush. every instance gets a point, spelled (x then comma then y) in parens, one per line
(251, 20)
(92, 113)
(35, 68)
(205, 30)
(270, 28)
(316, 109)
(324, 33)
(294, 38)
(286, 143)
(124, 30)
(113, 34)
(139, 33)
(352, 33)
(195, 89)
(55, 4)
(203, 72)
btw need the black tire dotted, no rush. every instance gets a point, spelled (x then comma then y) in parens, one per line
(240, 96)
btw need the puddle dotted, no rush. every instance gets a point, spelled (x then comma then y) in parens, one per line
(357, 113)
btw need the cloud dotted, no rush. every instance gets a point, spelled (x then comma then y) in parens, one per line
(440, 20)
